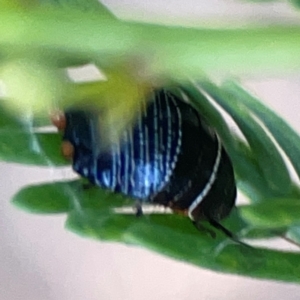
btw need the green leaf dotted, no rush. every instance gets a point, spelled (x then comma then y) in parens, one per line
(177, 51)
(263, 233)
(242, 229)
(267, 155)
(58, 197)
(293, 234)
(211, 115)
(275, 213)
(90, 213)
(286, 137)
(296, 3)
(66, 32)
(47, 198)
(8, 120)
(235, 223)
(13, 125)
(40, 121)
(243, 159)
(41, 149)
(83, 5)
(175, 237)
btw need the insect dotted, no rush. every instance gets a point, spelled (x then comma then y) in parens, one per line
(170, 156)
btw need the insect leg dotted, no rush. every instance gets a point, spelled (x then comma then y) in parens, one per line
(139, 209)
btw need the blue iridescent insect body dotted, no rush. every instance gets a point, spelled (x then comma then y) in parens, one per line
(170, 156)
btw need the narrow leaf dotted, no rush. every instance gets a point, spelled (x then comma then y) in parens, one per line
(244, 163)
(286, 137)
(8, 120)
(58, 197)
(175, 237)
(91, 215)
(263, 233)
(83, 5)
(175, 51)
(275, 213)
(296, 3)
(46, 198)
(210, 113)
(269, 159)
(31, 148)
(293, 233)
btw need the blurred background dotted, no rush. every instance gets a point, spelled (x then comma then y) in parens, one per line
(40, 260)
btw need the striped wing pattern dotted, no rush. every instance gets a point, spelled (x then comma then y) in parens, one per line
(144, 159)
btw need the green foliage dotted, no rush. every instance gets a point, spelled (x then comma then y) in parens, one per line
(296, 3)
(90, 211)
(47, 36)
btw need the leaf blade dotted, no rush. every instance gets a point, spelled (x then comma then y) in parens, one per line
(287, 138)
(45, 198)
(268, 157)
(276, 213)
(200, 251)
(240, 154)
(179, 51)
(40, 149)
